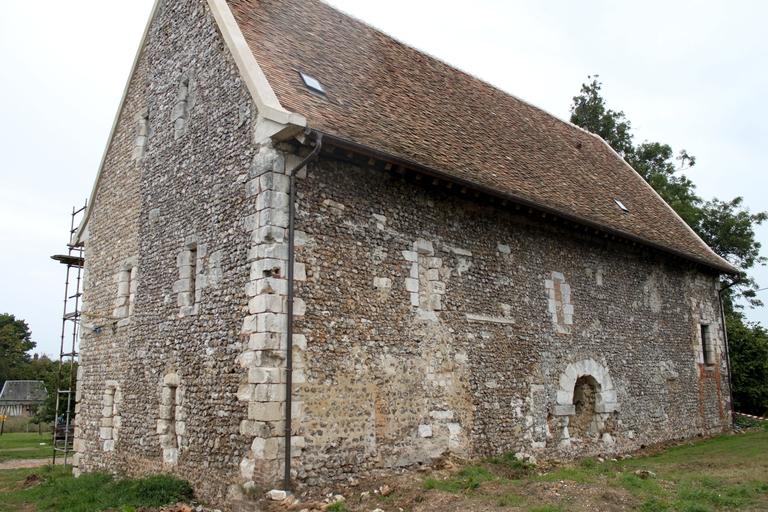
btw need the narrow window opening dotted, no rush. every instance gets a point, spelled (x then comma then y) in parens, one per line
(172, 441)
(193, 274)
(706, 346)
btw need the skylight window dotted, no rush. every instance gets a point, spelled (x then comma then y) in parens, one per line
(621, 205)
(313, 83)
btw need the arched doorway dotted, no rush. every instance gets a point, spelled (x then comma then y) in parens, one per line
(584, 422)
(585, 399)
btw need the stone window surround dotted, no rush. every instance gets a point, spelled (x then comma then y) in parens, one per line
(183, 106)
(110, 415)
(142, 135)
(171, 426)
(707, 346)
(606, 400)
(559, 304)
(190, 265)
(127, 283)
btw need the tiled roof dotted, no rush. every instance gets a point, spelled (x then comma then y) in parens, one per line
(23, 391)
(394, 99)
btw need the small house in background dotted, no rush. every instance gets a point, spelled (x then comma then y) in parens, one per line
(22, 397)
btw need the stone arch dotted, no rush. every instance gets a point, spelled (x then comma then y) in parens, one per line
(592, 373)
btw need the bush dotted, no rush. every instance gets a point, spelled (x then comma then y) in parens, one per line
(100, 491)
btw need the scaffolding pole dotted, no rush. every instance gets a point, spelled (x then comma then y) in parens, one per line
(66, 380)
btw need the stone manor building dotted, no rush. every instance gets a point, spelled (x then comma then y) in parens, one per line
(471, 274)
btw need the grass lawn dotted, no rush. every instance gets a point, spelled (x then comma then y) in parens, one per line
(25, 446)
(729, 472)
(54, 489)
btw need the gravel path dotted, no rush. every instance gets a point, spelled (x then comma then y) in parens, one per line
(27, 463)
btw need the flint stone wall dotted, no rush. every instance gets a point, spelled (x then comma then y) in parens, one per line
(426, 321)
(435, 322)
(186, 190)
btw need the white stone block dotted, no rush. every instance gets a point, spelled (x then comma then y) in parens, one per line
(412, 285)
(271, 199)
(271, 322)
(264, 375)
(269, 393)
(564, 397)
(273, 217)
(265, 341)
(299, 272)
(268, 234)
(422, 246)
(265, 411)
(275, 182)
(267, 285)
(265, 448)
(247, 467)
(410, 256)
(441, 415)
(277, 495)
(382, 282)
(435, 262)
(245, 393)
(415, 299)
(436, 287)
(299, 307)
(425, 430)
(263, 303)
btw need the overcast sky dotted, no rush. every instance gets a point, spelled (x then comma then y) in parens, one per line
(691, 74)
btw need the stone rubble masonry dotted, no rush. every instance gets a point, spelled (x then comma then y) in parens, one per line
(392, 380)
(150, 209)
(424, 320)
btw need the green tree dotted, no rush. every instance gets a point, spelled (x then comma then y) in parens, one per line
(749, 364)
(15, 343)
(728, 227)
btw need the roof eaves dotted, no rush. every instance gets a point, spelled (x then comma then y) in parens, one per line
(725, 267)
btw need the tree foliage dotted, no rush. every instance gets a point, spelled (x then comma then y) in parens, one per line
(15, 343)
(749, 364)
(728, 227)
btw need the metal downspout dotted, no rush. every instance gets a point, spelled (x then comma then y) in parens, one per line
(289, 329)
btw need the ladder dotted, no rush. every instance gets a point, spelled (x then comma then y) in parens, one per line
(66, 380)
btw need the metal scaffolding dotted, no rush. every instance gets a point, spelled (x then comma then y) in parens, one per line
(63, 426)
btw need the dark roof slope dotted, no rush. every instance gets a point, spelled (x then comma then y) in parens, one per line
(394, 99)
(23, 391)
